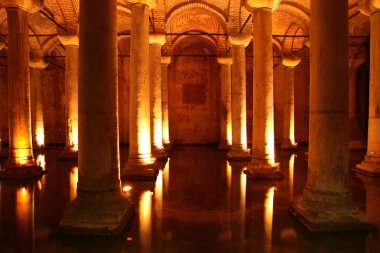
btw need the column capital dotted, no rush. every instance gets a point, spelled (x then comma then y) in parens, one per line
(69, 39)
(240, 39)
(166, 60)
(291, 61)
(368, 7)
(151, 3)
(157, 39)
(30, 6)
(225, 60)
(37, 62)
(252, 5)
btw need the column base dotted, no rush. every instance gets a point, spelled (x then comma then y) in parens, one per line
(263, 170)
(21, 172)
(38, 147)
(224, 146)
(370, 166)
(140, 170)
(238, 155)
(97, 213)
(159, 154)
(68, 154)
(329, 212)
(288, 146)
(168, 146)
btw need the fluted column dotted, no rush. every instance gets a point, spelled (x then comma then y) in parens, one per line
(37, 66)
(71, 43)
(165, 61)
(371, 164)
(225, 103)
(263, 165)
(155, 43)
(140, 158)
(99, 207)
(288, 139)
(21, 162)
(239, 149)
(326, 203)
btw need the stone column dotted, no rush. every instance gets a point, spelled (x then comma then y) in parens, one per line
(3, 154)
(140, 160)
(71, 43)
(263, 165)
(21, 163)
(326, 203)
(288, 140)
(371, 163)
(225, 101)
(37, 66)
(99, 207)
(239, 149)
(165, 61)
(155, 43)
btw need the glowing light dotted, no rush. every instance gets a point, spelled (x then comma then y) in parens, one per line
(291, 175)
(129, 239)
(40, 137)
(158, 191)
(73, 182)
(23, 208)
(229, 129)
(21, 155)
(268, 216)
(127, 188)
(41, 161)
(269, 140)
(229, 176)
(145, 219)
(157, 133)
(243, 134)
(243, 187)
(75, 134)
(166, 177)
(39, 185)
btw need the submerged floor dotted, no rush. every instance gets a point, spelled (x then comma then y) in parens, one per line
(198, 204)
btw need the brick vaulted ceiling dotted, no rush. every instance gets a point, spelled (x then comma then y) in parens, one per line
(214, 18)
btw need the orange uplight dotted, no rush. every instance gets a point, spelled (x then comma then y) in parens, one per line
(158, 191)
(145, 219)
(73, 182)
(165, 179)
(269, 147)
(243, 187)
(41, 161)
(40, 137)
(23, 207)
(39, 185)
(229, 131)
(228, 175)
(243, 134)
(127, 188)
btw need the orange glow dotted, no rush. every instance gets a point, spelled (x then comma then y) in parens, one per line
(291, 175)
(243, 134)
(268, 216)
(269, 147)
(145, 219)
(229, 130)
(74, 137)
(144, 147)
(39, 185)
(157, 135)
(21, 154)
(229, 176)
(41, 161)
(243, 187)
(291, 126)
(73, 182)
(127, 188)
(166, 178)
(40, 137)
(23, 207)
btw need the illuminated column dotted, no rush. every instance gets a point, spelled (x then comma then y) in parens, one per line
(263, 165)
(140, 161)
(225, 100)
(238, 149)
(20, 134)
(155, 43)
(326, 203)
(3, 154)
(165, 61)
(99, 207)
(288, 140)
(371, 164)
(71, 43)
(37, 65)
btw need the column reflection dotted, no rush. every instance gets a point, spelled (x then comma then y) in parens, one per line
(73, 182)
(145, 220)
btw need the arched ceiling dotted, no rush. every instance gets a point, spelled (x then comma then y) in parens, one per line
(217, 17)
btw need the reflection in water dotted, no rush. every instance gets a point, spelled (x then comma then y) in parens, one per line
(268, 217)
(243, 187)
(41, 161)
(291, 176)
(73, 182)
(25, 218)
(229, 175)
(166, 178)
(158, 191)
(145, 219)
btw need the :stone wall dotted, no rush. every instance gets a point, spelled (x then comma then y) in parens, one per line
(193, 93)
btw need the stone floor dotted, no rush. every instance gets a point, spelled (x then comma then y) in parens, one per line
(198, 204)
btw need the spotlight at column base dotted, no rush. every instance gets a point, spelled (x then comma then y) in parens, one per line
(168, 146)
(68, 154)
(263, 170)
(288, 146)
(37, 146)
(21, 172)
(236, 154)
(138, 170)
(370, 166)
(329, 212)
(224, 146)
(159, 154)
(97, 213)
